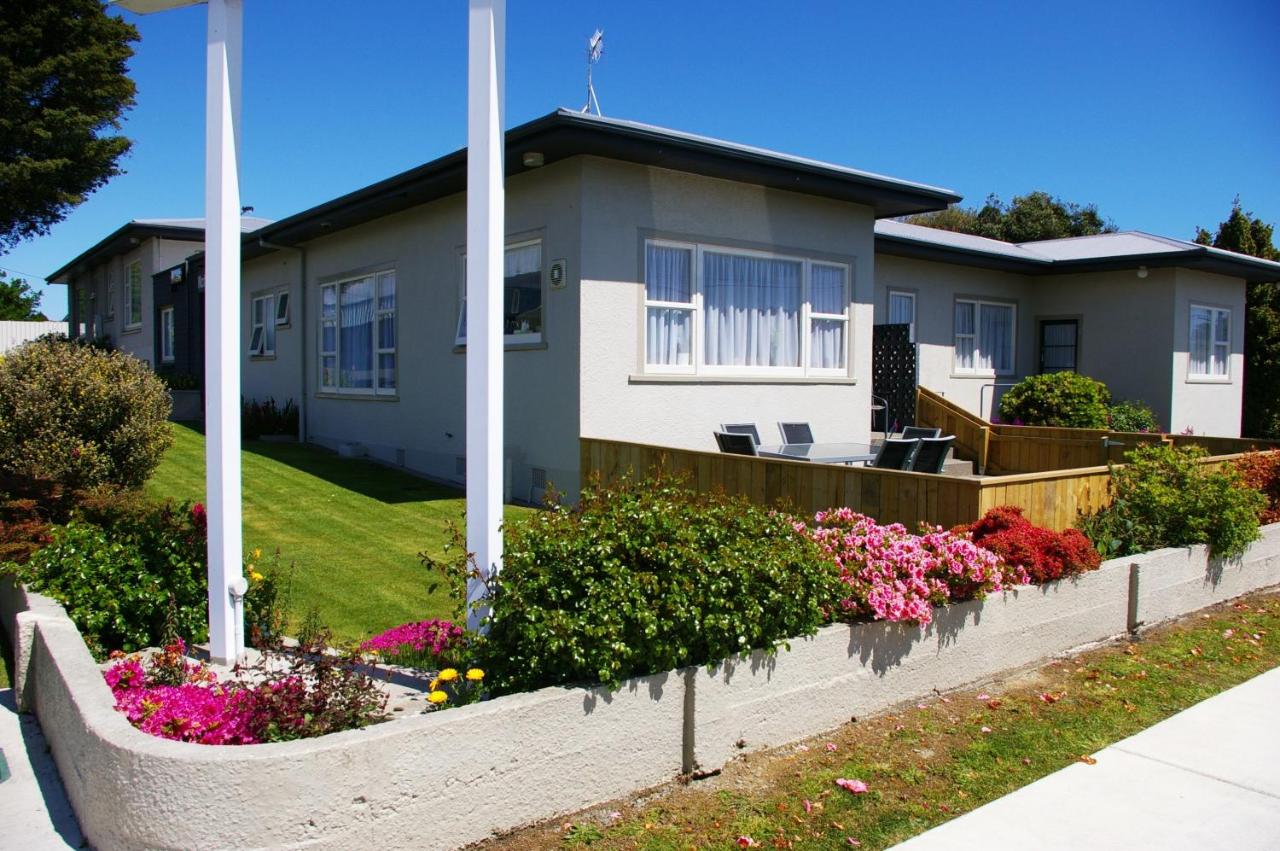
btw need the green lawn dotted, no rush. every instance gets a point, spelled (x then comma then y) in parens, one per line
(352, 529)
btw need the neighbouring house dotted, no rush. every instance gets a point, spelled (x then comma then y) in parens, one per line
(15, 332)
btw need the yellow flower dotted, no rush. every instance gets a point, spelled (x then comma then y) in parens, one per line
(475, 675)
(255, 576)
(257, 553)
(435, 684)
(437, 697)
(448, 675)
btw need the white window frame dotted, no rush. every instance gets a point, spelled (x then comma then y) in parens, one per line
(166, 334)
(530, 338)
(133, 279)
(335, 388)
(1214, 344)
(256, 326)
(977, 337)
(698, 364)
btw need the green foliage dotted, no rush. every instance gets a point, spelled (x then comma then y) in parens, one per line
(1132, 416)
(266, 417)
(128, 571)
(1034, 216)
(1061, 399)
(80, 416)
(63, 85)
(645, 576)
(17, 300)
(179, 380)
(1163, 497)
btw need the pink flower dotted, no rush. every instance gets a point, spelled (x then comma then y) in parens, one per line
(747, 842)
(986, 729)
(831, 746)
(857, 787)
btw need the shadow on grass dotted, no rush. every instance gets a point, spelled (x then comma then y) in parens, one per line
(364, 477)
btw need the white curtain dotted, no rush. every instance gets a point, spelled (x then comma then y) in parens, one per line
(901, 309)
(668, 330)
(1203, 361)
(827, 294)
(355, 335)
(1221, 341)
(995, 348)
(964, 335)
(752, 310)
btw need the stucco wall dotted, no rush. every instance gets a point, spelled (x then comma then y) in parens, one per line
(277, 376)
(623, 204)
(1208, 406)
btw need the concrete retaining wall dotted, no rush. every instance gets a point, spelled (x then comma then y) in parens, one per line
(450, 778)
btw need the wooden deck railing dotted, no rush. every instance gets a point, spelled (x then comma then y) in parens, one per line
(973, 434)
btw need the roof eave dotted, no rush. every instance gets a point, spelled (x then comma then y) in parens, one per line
(898, 246)
(124, 237)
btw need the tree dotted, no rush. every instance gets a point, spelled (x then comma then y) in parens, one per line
(1036, 215)
(1246, 234)
(63, 84)
(18, 300)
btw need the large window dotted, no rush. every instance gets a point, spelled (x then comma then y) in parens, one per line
(166, 335)
(521, 295)
(710, 310)
(133, 283)
(358, 334)
(984, 333)
(1210, 342)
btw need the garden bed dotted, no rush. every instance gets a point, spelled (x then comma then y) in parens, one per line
(444, 779)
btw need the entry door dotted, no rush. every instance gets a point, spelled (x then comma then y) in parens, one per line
(1059, 340)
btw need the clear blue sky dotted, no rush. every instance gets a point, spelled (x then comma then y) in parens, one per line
(1158, 112)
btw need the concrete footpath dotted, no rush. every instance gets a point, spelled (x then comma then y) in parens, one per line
(34, 812)
(1208, 777)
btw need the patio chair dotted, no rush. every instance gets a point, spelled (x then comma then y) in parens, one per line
(896, 454)
(932, 454)
(742, 428)
(913, 432)
(735, 444)
(796, 433)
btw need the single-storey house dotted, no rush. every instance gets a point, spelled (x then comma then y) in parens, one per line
(659, 284)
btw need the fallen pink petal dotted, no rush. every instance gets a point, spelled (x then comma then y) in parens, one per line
(857, 787)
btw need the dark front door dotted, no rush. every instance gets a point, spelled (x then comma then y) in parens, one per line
(1059, 340)
(893, 376)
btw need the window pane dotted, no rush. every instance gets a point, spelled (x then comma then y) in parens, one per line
(995, 345)
(1221, 356)
(329, 302)
(355, 336)
(964, 317)
(1199, 347)
(282, 309)
(255, 342)
(328, 365)
(826, 347)
(386, 331)
(522, 290)
(826, 289)
(902, 309)
(257, 311)
(669, 336)
(668, 273)
(1222, 329)
(752, 310)
(328, 337)
(964, 353)
(387, 371)
(387, 291)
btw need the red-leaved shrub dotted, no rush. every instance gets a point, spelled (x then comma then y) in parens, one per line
(1261, 471)
(1045, 555)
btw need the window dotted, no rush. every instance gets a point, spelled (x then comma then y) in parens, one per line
(521, 295)
(282, 308)
(262, 326)
(166, 335)
(133, 282)
(984, 337)
(358, 335)
(712, 311)
(902, 311)
(1058, 341)
(1210, 342)
(111, 299)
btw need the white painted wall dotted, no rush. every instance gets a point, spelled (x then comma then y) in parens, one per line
(277, 376)
(1208, 406)
(625, 203)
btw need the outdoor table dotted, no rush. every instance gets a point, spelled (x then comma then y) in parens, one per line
(821, 453)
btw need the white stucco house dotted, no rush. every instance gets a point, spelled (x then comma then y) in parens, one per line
(660, 283)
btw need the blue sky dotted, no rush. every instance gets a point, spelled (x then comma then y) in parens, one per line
(1158, 112)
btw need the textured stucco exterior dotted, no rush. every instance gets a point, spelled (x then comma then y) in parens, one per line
(1207, 406)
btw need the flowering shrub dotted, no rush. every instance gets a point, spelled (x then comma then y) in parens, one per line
(1261, 471)
(890, 574)
(1044, 555)
(265, 602)
(23, 530)
(429, 644)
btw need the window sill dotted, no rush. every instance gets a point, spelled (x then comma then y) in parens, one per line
(988, 376)
(508, 347)
(269, 357)
(358, 397)
(681, 378)
(131, 329)
(1206, 379)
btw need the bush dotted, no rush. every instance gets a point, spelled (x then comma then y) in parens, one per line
(890, 574)
(259, 418)
(1164, 498)
(645, 576)
(1132, 416)
(1043, 554)
(430, 645)
(1061, 399)
(129, 572)
(74, 414)
(1261, 471)
(23, 530)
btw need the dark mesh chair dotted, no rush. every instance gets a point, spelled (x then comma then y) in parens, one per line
(735, 444)
(796, 432)
(896, 454)
(916, 432)
(742, 428)
(932, 454)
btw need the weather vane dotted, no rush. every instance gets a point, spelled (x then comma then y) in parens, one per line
(595, 49)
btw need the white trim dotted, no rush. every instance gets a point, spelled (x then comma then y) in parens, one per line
(258, 341)
(1210, 377)
(375, 276)
(978, 304)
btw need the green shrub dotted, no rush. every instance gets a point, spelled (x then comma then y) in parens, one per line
(1132, 416)
(1061, 399)
(266, 417)
(74, 414)
(646, 576)
(129, 572)
(1164, 498)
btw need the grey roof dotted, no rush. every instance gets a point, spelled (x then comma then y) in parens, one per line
(125, 237)
(1101, 252)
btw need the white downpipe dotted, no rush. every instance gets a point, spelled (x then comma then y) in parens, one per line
(222, 327)
(486, 39)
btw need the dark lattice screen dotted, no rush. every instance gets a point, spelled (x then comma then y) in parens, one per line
(893, 375)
